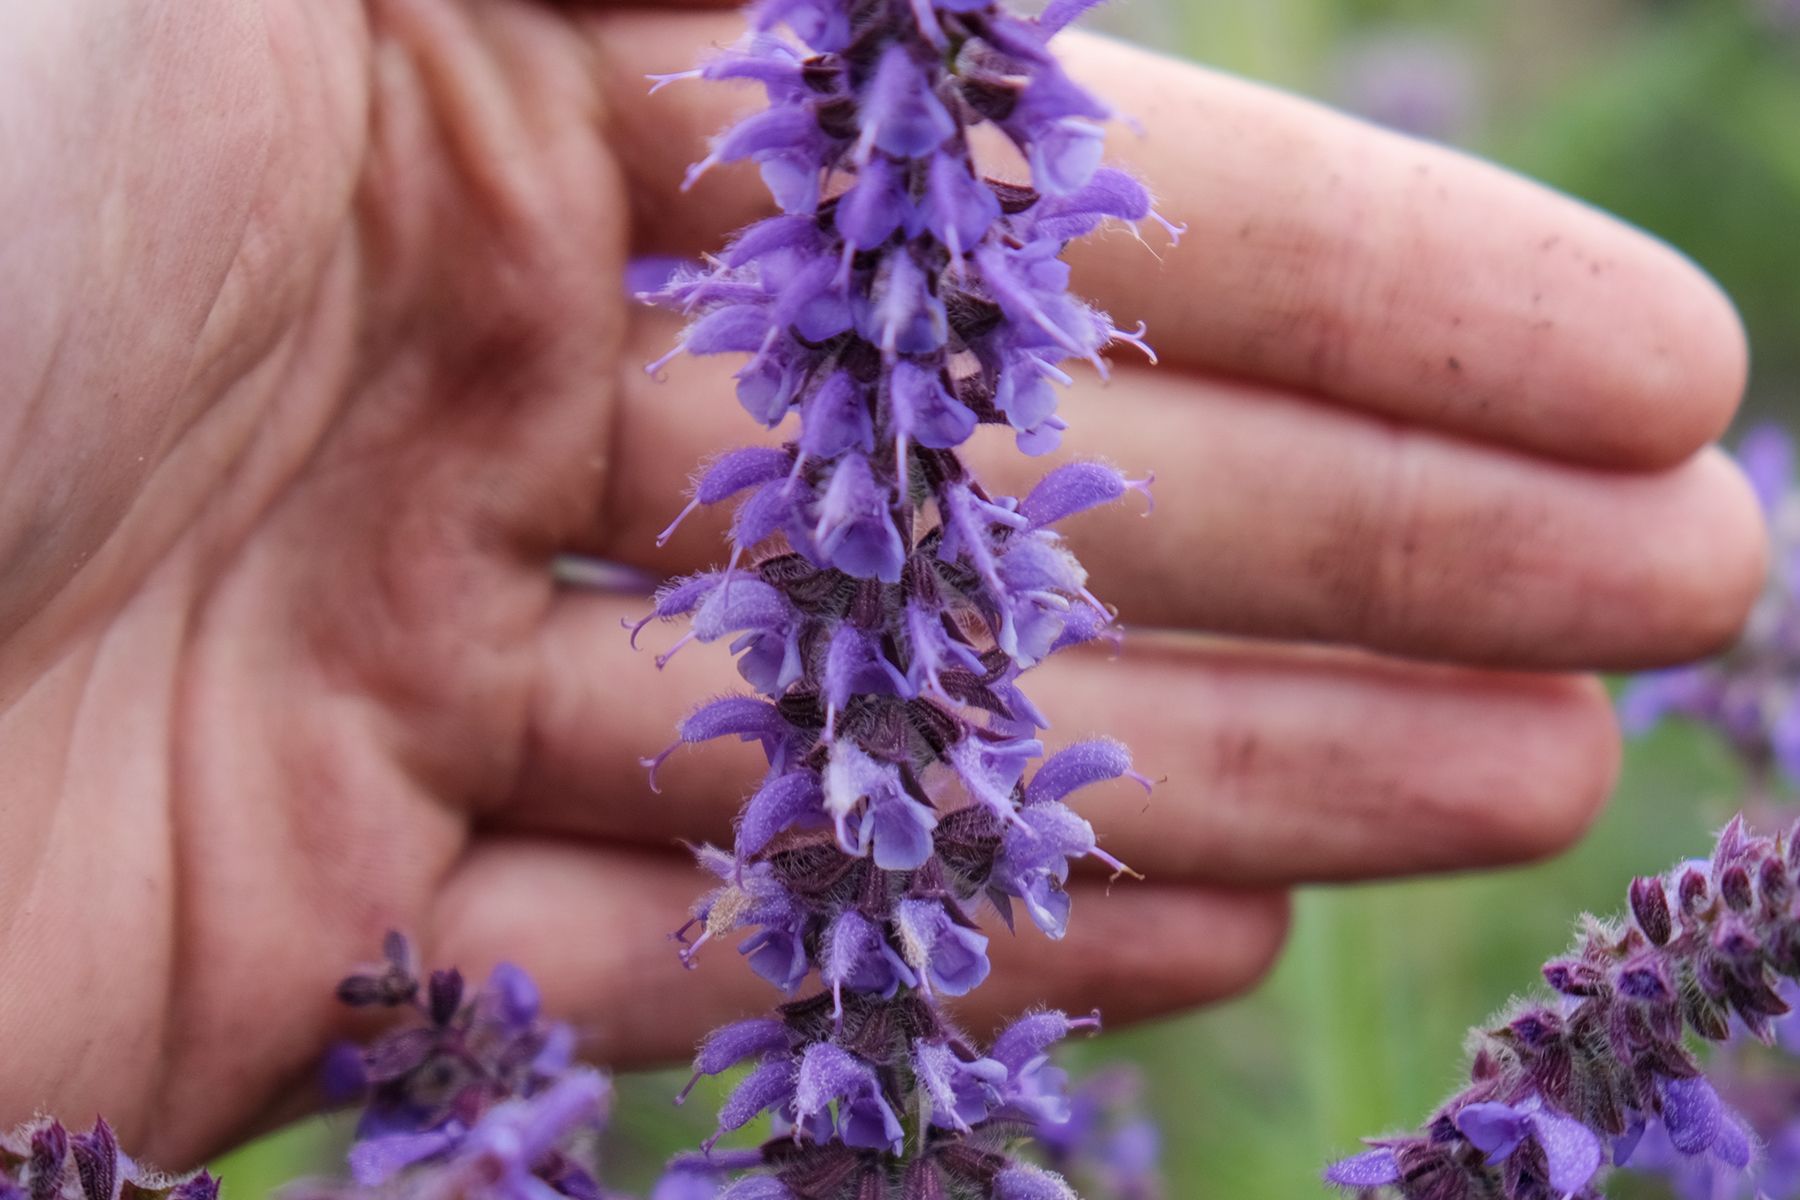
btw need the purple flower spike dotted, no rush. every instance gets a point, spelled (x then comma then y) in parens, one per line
(884, 604)
(1604, 1071)
(477, 1094)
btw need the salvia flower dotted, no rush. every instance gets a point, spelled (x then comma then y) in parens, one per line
(1108, 1141)
(1750, 695)
(42, 1160)
(476, 1097)
(1588, 1078)
(882, 604)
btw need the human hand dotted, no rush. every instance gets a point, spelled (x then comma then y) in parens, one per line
(317, 352)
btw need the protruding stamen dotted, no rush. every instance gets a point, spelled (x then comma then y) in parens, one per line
(655, 764)
(654, 369)
(681, 1097)
(1119, 869)
(662, 660)
(662, 539)
(1175, 232)
(659, 82)
(1136, 485)
(1136, 338)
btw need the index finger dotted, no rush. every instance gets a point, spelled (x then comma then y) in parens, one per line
(1322, 253)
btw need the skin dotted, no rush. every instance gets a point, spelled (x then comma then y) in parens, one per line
(316, 352)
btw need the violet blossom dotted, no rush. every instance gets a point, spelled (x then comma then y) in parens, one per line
(1107, 1139)
(882, 604)
(1564, 1087)
(477, 1097)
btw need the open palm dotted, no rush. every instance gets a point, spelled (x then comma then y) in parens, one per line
(315, 351)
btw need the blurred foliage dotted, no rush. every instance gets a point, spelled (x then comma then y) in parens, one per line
(1683, 118)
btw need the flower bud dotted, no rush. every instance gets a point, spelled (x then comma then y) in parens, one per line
(1650, 907)
(1734, 887)
(1575, 978)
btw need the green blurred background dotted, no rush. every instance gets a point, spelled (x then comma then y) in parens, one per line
(1684, 117)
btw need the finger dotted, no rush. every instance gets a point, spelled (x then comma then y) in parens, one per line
(1322, 253)
(591, 925)
(1281, 517)
(1277, 765)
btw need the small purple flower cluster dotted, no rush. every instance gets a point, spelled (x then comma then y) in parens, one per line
(1751, 695)
(44, 1161)
(882, 604)
(1560, 1089)
(1109, 1142)
(479, 1097)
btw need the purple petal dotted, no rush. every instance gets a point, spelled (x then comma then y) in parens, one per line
(514, 994)
(899, 113)
(736, 328)
(784, 127)
(1494, 1129)
(729, 1045)
(652, 273)
(1071, 489)
(1078, 766)
(959, 208)
(1691, 1112)
(1571, 1150)
(376, 1160)
(1370, 1169)
(783, 801)
(771, 236)
(829, 1072)
(731, 473)
(745, 716)
(771, 509)
(769, 1085)
(1733, 1146)
(900, 834)
(870, 212)
(855, 530)
(1064, 155)
(925, 411)
(1022, 1182)
(834, 418)
(740, 605)
(757, 1187)
(868, 1123)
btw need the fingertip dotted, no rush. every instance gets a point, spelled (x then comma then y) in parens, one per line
(1567, 773)
(1682, 386)
(1712, 565)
